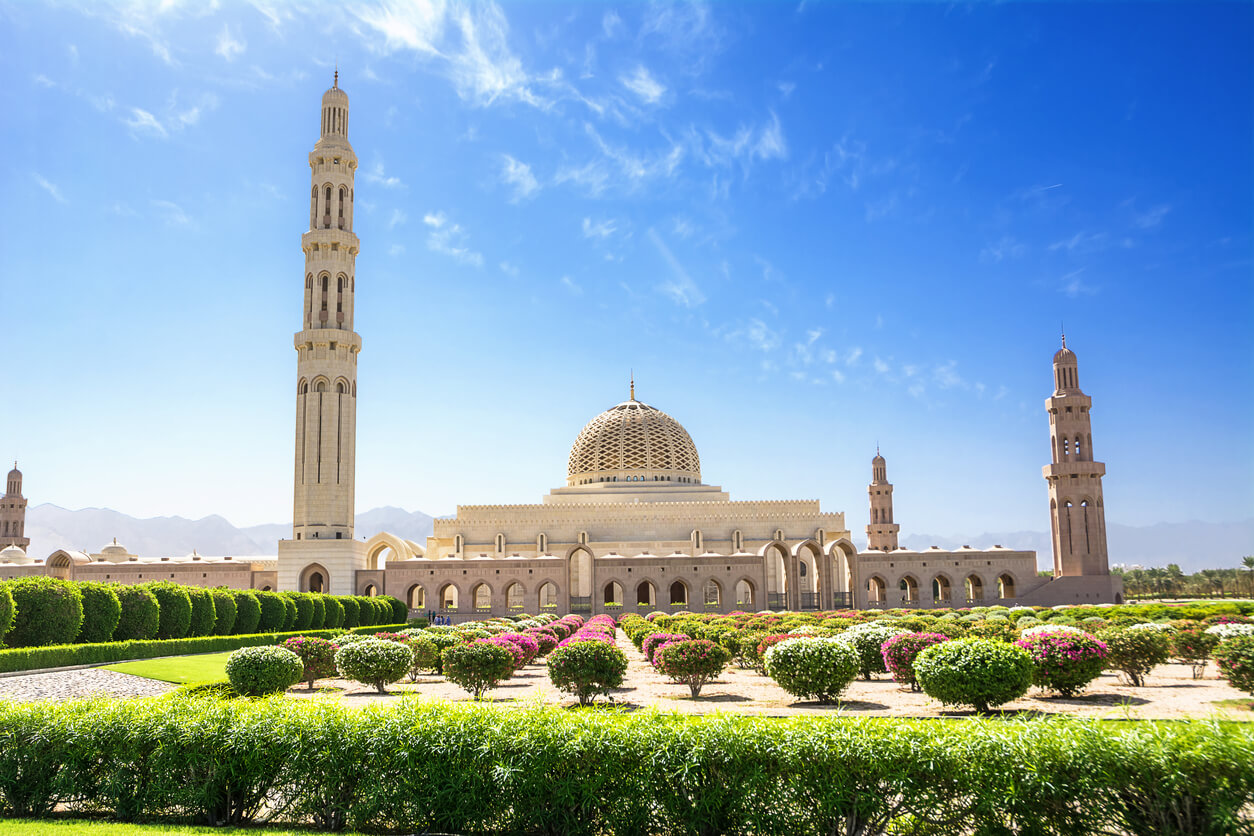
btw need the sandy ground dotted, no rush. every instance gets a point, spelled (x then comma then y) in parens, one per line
(1170, 693)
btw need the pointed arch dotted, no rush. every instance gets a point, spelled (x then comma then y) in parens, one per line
(314, 578)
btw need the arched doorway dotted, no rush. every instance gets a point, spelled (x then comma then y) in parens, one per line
(712, 594)
(482, 596)
(448, 597)
(645, 595)
(974, 588)
(940, 589)
(876, 590)
(314, 578)
(514, 596)
(580, 580)
(808, 580)
(679, 594)
(614, 594)
(548, 596)
(844, 581)
(744, 593)
(774, 554)
(416, 597)
(1005, 586)
(909, 589)
(371, 590)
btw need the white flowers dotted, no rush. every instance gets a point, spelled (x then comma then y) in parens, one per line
(1228, 631)
(1150, 625)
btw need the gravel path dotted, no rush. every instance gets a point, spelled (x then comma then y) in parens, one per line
(71, 685)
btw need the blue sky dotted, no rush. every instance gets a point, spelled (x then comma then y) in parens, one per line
(808, 229)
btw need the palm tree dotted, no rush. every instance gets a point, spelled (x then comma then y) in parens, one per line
(1248, 563)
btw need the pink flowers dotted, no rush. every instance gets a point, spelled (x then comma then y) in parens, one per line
(654, 641)
(1065, 662)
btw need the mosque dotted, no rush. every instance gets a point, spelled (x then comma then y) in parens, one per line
(633, 529)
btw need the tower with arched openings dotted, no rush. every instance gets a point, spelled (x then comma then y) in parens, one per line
(881, 531)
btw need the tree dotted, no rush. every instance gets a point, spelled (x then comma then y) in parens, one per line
(1248, 563)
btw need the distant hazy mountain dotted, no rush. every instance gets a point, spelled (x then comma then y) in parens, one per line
(50, 528)
(1193, 545)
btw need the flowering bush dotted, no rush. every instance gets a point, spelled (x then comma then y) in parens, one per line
(1046, 629)
(346, 639)
(975, 672)
(257, 671)
(1194, 646)
(528, 644)
(755, 654)
(900, 651)
(1235, 657)
(1230, 630)
(478, 666)
(1135, 652)
(867, 639)
(655, 640)
(995, 628)
(426, 656)
(587, 669)
(1160, 626)
(545, 640)
(744, 647)
(516, 653)
(316, 655)
(374, 662)
(693, 662)
(813, 667)
(1064, 662)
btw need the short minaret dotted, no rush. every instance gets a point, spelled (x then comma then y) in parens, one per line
(1077, 512)
(13, 513)
(881, 534)
(322, 554)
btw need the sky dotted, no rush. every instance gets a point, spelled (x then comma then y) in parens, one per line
(807, 229)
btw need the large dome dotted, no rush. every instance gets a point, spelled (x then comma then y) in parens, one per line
(633, 442)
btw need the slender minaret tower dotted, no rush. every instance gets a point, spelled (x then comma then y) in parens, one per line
(326, 367)
(1077, 513)
(881, 534)
(13, 513)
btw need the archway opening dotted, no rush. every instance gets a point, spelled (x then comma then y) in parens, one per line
(614, 594)
(1005, 586)
(448, 597)
(548, 596)
(416, 597)
(744, 594)
(679, 594)
(875, 590)
(370, 590)
(712, 593)
(909, 588)
(644, 594)
(514, 596)
(482, 596)
(940, 589)
(581, 574)
(974, 588)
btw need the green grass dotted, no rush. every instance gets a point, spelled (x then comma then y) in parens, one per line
(72, 827)
(179, 669)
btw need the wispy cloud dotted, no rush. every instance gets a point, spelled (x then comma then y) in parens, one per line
(1081, 242)
(49, 187)
(379, 177)
(643, 84)
(143, 122)
(398, 217)
(681, 288)
(760, 336)
(228, 46)
(396, 249)
(1152, 217)
(611, 23)
(745, 146)
(175, 118)
(450, 239)
(599, 229)
(509, 269)
(518, 176)
(172, 213)
(571, 285)
(1003, 248)
(1073, 285)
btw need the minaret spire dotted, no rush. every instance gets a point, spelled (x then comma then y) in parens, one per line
(633, 387)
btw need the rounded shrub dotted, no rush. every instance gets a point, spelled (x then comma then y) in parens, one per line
(442, 642)
(352, 612)
(995, 628)
(304, 609)
(975, 672)
(1193, 646)
(477, 666)
(317, 611)
(812, 667)
(587, 669)
(257, 671)
(289, 613)
(6, 610)
(374, 662)
(868, 640)
(400, 612)
(900, 651)
(317, 656)
(655, 640)
(426, 656)
(46, 611)
(545, 640)
(176, 609)
(335, 612)
(1135, 652)
(1064, 662)
(1235, 658)
(247, 612)
(101, 612)
(204, 614)
(367, 614)
(273, 612)
(692, 663)
(223, 610)
(530, 647)
(141, 614)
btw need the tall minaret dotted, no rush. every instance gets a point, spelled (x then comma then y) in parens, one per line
(13, 513)
(323, 554)
(1077, 513)
(326, 365)
(881, 534)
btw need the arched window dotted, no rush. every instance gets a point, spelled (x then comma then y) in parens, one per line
(548, 596)
(1005, 586)
(744, 593)
(448, 597)
(542, 543)
(614, 594)
(482, 595)
(514, 596)
(875, 589)
(712, 593)
(326, 210)
(738, 541)
(940, 589)
(371, 590)
(417, 597)
(801, 568)
(500, 544)
(459, 543)
(909, 590)
(974, 588)
(679, 594)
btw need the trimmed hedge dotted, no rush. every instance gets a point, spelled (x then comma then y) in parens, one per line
(223, 610)
(437, 767)
(47, 611)
(6, 610)
(175, 607)
(247, 612)
(204, 613)
(65, 655)
(273, 612)
(102, 610)
(141, 614)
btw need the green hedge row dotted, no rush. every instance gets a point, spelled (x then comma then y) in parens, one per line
(432, 767)
(38, 611)
(64, 655)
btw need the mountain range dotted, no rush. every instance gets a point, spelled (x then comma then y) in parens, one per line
(1193, 545)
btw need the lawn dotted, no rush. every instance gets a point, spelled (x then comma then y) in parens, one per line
(71, 827)
(178, 669)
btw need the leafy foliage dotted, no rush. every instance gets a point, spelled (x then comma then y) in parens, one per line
(1235, 658)
(812, 667)
(247, 612)
(204, 613)
(1135, 652)
(317, 657)
(224, 609)
(900, 651)
(257, 671)
(975, 672)
(6, 610)
(477, 666)
(273, 612)
(374, 662)
(693, 663)
(101, 612)
(1064, 662)
(47, 611)
(587, 669)
(141, 614)
(352, 612)
(175, 609)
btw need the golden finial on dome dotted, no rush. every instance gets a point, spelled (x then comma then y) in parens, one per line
(633, 385)
(336, 83)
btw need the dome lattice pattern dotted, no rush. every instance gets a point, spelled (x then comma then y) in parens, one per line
(634, 436)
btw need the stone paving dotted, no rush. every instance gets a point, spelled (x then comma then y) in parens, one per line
(72, 685)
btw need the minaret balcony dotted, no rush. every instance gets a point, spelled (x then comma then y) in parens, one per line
(1065, 470)
(324, 238)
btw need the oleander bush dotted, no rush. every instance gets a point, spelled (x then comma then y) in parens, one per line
(247, 612)
(374, 662)
(477, 666)
(1193, 646)
(174, 607)
(868, 640)
(517, 654)
(257, 671)
(693, 663)
(1135, 652)
(655, 640)
(900, 651)
(980, 673)
(1064, 662)
(317, 657)
(141, 614)
(587, 669)
(813, 667)
(204, 614)
(1235, 658)
(426, 656)
(6, 610)
(46, 611)
(101, 612)
(224, 609)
